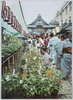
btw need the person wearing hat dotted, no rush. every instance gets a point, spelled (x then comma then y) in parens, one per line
(65, 51)
(45, 57)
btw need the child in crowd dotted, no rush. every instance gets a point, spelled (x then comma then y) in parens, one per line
(45, 57)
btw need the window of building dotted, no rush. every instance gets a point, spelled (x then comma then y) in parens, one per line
(66, 10)
(70, 6)
(70, 19)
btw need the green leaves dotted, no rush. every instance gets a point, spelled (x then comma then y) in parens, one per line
(10, 44)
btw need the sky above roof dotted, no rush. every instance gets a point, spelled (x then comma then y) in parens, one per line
(47, 9)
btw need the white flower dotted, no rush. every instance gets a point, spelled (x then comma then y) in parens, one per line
(4, 38)
(7, 77)
(51, 85)
(31, 89)
(21, 81)
(24, 85)
(34, 58)
(26, 59)
(43, 78)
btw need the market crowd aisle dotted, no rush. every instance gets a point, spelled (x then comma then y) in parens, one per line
(35, 80)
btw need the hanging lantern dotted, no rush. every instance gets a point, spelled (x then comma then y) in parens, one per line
(3, 8)
(10, 18)
(17, 26)
(20, 28)
(13, 21)
(6, 14)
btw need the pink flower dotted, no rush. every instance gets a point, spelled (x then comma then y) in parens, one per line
(59, 82)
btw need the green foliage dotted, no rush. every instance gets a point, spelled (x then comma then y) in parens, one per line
(10, 82)
(36, 81)
(10, 44)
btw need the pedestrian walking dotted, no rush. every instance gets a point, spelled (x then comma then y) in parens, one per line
(58, 58)
(65, 51)
(51, 45)
(47, 38)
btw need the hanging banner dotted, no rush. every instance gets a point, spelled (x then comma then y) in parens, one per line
(10, 18)
(6, 14)
(3, 8)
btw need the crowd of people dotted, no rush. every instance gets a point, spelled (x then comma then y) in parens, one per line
(58, 50)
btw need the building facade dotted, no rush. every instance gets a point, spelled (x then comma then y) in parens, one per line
(64, 14)
(64, 18)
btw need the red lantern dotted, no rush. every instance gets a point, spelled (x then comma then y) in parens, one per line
(10, 18)
(17, 25)
(6, 14)
(13, 21)
(20, 29)
(3, 8)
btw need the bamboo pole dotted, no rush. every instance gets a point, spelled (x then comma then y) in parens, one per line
(13, 59)
(6, 70)
(8, 63)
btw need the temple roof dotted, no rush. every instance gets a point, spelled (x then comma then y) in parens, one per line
(39, 22)
(39, 18)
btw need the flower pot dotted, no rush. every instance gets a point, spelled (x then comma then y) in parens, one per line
(54, 92)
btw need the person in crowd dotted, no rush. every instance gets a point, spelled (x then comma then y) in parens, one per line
(45, 42)
(33, 42)
(58, 58)
(41, 42)
(43, 35)
(47, 38)
(65, 51)
(29, 42)
(51, 45)
(45, 57)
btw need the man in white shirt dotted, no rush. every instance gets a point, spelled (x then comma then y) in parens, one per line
(41, 42)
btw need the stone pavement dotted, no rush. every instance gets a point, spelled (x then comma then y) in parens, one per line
(66, 92)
